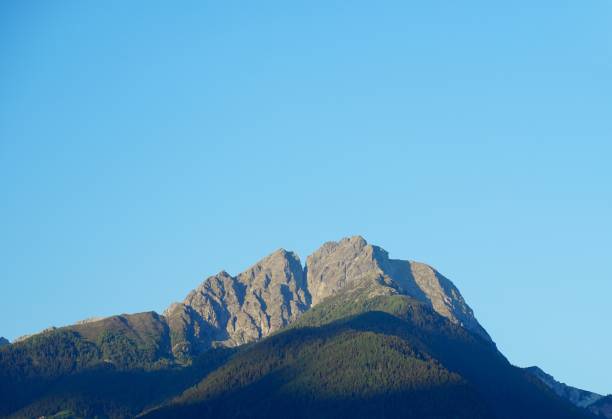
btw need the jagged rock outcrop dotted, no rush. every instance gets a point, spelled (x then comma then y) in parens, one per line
(352, 263)
(576, 396)
(4, 341)
(349, 264)
(229, 311)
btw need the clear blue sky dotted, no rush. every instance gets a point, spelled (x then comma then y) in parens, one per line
(145, 146)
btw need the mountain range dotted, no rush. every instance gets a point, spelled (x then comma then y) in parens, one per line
(350, 333)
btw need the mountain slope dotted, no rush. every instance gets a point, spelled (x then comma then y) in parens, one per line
(108, 392)
(575, 395)
(33, 366)
(364, 356)
(230, 311)
(602, 407)
(352, 263)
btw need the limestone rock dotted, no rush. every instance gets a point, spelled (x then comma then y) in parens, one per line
(230, 310)
(353, 263)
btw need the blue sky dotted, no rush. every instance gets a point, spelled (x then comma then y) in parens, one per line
(147, 145)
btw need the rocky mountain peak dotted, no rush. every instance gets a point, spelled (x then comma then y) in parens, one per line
(353, 263)
(338, 265)
(226, 310)
(4, 341)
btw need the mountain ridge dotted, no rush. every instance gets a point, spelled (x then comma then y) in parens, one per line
(579, 397)
(226, 315)
(594, 402)
(226, 310)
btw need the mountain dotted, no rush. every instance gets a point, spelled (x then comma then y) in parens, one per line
(575, 395)
(4, 341)
(32, 368)
(231, 311)
(362, 356)
(352, 329)
(353, 265)
(595, 403)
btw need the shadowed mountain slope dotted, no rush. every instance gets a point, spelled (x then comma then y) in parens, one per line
(575, 395)
(602, 407)
(363, 356)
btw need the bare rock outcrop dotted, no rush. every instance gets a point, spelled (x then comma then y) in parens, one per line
(353, 263)
(230, 310)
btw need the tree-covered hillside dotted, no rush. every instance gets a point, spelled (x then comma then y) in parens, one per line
(389, 356)
(113, 367)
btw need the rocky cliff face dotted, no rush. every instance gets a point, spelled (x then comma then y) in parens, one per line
(228, 310)
(352, 263)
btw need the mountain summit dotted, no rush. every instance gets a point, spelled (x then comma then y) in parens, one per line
(351, 333)
(230, 310)
(352, 264)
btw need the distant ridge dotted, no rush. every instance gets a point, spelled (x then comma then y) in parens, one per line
(575, 395)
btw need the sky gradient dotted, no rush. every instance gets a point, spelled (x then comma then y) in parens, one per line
(147, 145)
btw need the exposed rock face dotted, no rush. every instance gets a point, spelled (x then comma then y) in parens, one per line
(353, 263)
(342, 266)
(4, 341)
(575, 395)
(230, 311)
(442, 294)
(91, 320)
